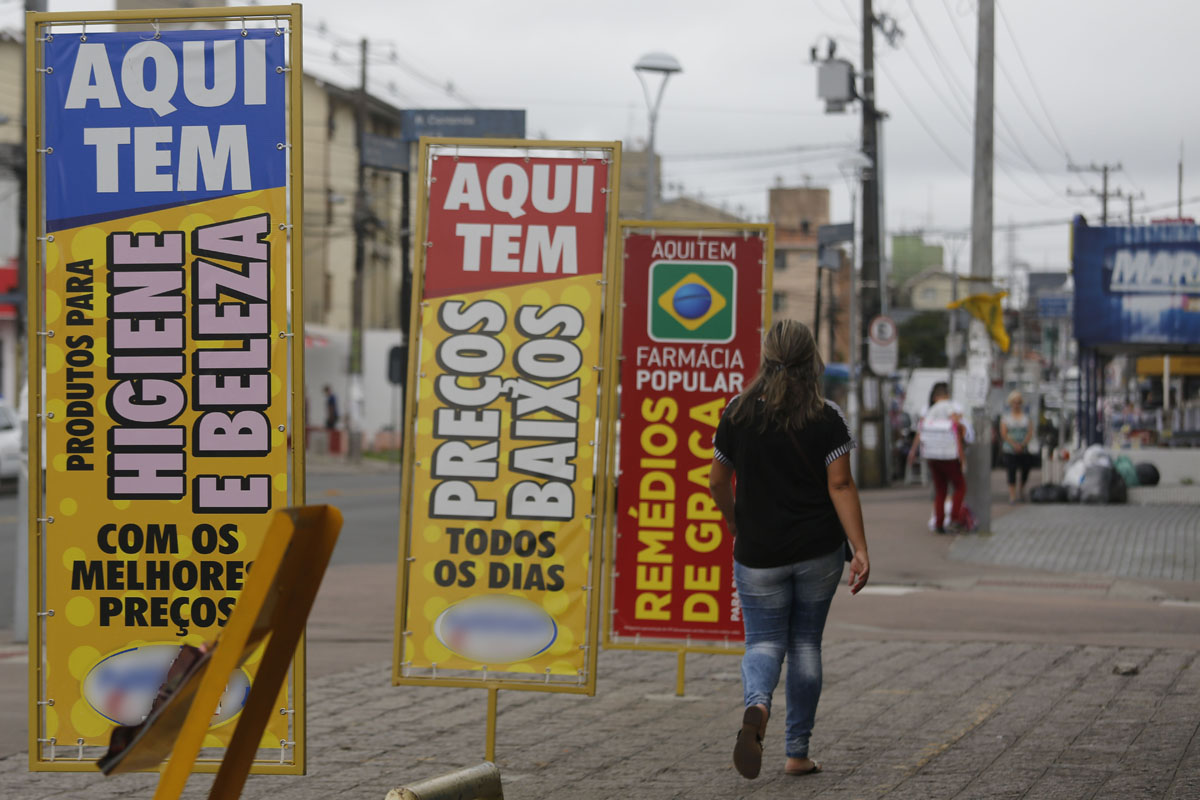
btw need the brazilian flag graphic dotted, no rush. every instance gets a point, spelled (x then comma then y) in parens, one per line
(692, 301)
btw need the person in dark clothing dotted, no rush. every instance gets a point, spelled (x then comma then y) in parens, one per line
(331, 409)
(793, 516)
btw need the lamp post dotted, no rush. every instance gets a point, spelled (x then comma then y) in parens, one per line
(664, 65)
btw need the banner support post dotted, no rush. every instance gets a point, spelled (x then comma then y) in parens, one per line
(490, 745)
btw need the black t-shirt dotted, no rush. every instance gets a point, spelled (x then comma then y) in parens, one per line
(782, 506)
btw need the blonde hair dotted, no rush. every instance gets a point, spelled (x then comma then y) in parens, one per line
(1015, 397)
(786, 392)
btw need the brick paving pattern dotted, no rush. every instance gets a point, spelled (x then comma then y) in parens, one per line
(1152, 542)
(898, 720)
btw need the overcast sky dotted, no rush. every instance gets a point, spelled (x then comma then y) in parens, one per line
(1096, 81)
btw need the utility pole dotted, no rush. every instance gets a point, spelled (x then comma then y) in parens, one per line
(979, 455)
(1104, 193)
(1179, 186)
(362, 216)
(872, 471)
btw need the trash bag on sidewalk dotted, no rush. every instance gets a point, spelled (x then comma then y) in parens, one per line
(1147, 474)
(1048, 493)
(1102, 485)
(1126, 470)
(1096, 456)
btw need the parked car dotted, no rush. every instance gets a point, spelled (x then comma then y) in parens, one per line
(10, 443)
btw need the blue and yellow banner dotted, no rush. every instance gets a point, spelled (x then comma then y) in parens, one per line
(163, 334)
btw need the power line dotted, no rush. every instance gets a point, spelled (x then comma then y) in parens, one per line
(1009, 137)
(1032, 83)
(777, 151)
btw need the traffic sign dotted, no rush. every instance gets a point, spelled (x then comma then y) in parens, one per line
(883, 346)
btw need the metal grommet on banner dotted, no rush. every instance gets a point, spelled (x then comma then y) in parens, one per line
(47, 334)
(79, 742)
(244, 27)
(46, 150)
(47, 70)
(49, 702)
(49, 415)
(47, 520)
(285, 226)
(282, 428)
(51, 741)
(47, 613)
(547, 676)
(281, 70)
(286, 711)
(278, 30)
(47, 238)
(157, 32)
(282, 146)
(483, 674)
(49, 37)
(285, 335)
(284, 744)
(83, 38)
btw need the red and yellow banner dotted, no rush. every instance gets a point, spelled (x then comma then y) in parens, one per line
(505, 445)
(692, 317)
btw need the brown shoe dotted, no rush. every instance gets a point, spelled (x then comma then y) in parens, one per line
(747, 752)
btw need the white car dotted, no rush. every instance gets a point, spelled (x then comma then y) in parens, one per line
(10, 443)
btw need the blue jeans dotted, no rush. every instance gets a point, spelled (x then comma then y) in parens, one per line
(784, 611)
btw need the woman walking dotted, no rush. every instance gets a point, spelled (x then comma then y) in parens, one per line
(1016, 432)
(796, 506)
(940, 440)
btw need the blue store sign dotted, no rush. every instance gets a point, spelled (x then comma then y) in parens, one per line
(1137, 285)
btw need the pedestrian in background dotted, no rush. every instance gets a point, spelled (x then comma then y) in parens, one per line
(795, 520)
(939, 440)
(1016, 433)
(331, 409)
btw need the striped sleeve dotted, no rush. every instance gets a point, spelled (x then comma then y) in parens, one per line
(723, 440)
(841, 441)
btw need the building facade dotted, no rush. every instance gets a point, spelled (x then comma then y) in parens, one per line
(797, 213)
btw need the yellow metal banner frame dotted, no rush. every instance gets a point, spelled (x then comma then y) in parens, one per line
(287, 21)
(269, 616)
(610, 640)
(610, 154)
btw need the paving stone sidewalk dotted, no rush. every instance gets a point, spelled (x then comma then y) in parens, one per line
(901, 720)
(1151, 542)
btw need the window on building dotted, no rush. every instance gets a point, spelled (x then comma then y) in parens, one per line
(781, 260)
(778, 301)
(929, 294)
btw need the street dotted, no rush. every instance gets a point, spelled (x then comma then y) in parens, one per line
(933, 609)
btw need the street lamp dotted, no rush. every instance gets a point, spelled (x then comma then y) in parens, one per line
(665, 65)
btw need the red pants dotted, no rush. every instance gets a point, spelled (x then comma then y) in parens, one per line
(943, 472)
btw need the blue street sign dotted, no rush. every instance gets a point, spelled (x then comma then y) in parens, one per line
(473, 122)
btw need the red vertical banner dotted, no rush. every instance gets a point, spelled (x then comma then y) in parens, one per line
(693, 315)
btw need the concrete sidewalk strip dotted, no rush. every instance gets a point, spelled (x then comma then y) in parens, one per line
(898, 719)
(1149, 542)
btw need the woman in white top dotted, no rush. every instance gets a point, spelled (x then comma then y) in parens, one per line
(939, 441)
